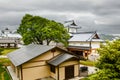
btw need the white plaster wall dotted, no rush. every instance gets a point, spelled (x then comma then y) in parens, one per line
(72, 30)
(95, 44)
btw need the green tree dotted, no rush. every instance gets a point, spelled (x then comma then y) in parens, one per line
(109, 62)
(35, 29)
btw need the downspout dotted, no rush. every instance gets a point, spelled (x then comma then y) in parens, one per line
(78, 68)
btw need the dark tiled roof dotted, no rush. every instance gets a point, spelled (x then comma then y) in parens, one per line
(59, 59)
(27, 53)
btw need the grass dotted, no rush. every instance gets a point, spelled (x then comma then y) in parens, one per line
(84, 79)
(87, 63)
(3, 74)
(7, 50)
(6, 76)
(5, 62)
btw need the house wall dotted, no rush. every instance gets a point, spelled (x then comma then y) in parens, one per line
(79, 43)
(94, 45)
(37, 67)
(68, 63)
(72, 30)
(36, 73)
(54, 75)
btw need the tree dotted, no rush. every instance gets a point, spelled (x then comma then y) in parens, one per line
(109, 62)
(35, 29)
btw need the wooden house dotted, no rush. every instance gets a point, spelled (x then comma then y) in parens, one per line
(34, 62)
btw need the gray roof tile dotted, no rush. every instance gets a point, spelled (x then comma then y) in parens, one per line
(27, 53)
(59, 59)
(82, 37)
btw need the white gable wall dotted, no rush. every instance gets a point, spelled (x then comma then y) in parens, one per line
(73, 30)
(79, 44)
(86, 44)
(95, 44)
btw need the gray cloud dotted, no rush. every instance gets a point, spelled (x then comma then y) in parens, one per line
(102, 15)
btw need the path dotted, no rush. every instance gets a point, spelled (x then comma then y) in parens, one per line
(91, 69)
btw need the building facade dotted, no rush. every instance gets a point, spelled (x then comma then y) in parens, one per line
(36, 62)
(84, 43)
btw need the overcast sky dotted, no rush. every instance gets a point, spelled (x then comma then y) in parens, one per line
(100, 15)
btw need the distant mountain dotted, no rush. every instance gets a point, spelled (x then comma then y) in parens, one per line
(107, 37)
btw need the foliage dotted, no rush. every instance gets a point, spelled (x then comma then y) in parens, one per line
(35, 29)
(7, 50)
(109, 62)
(6, 76)
(88, 63)
(1, 51)
(4, 62)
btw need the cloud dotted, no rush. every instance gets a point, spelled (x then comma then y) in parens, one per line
(100, 15)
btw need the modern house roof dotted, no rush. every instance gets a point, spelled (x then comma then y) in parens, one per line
(60, 58)
(27, 53)
(83, 36)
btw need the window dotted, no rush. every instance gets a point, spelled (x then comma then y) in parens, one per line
(52, 68)
(86, 54)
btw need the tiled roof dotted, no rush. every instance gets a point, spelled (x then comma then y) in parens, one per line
(59, 59)
(82, 37)
(27, 53)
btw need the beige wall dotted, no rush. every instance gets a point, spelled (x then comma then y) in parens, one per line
(76, 69)
(46, 56)
(38, 68)
(67, 63)
(36, 72)
(62, 73)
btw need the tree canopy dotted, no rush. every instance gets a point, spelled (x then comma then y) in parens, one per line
(109, 62)
(36, 29)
